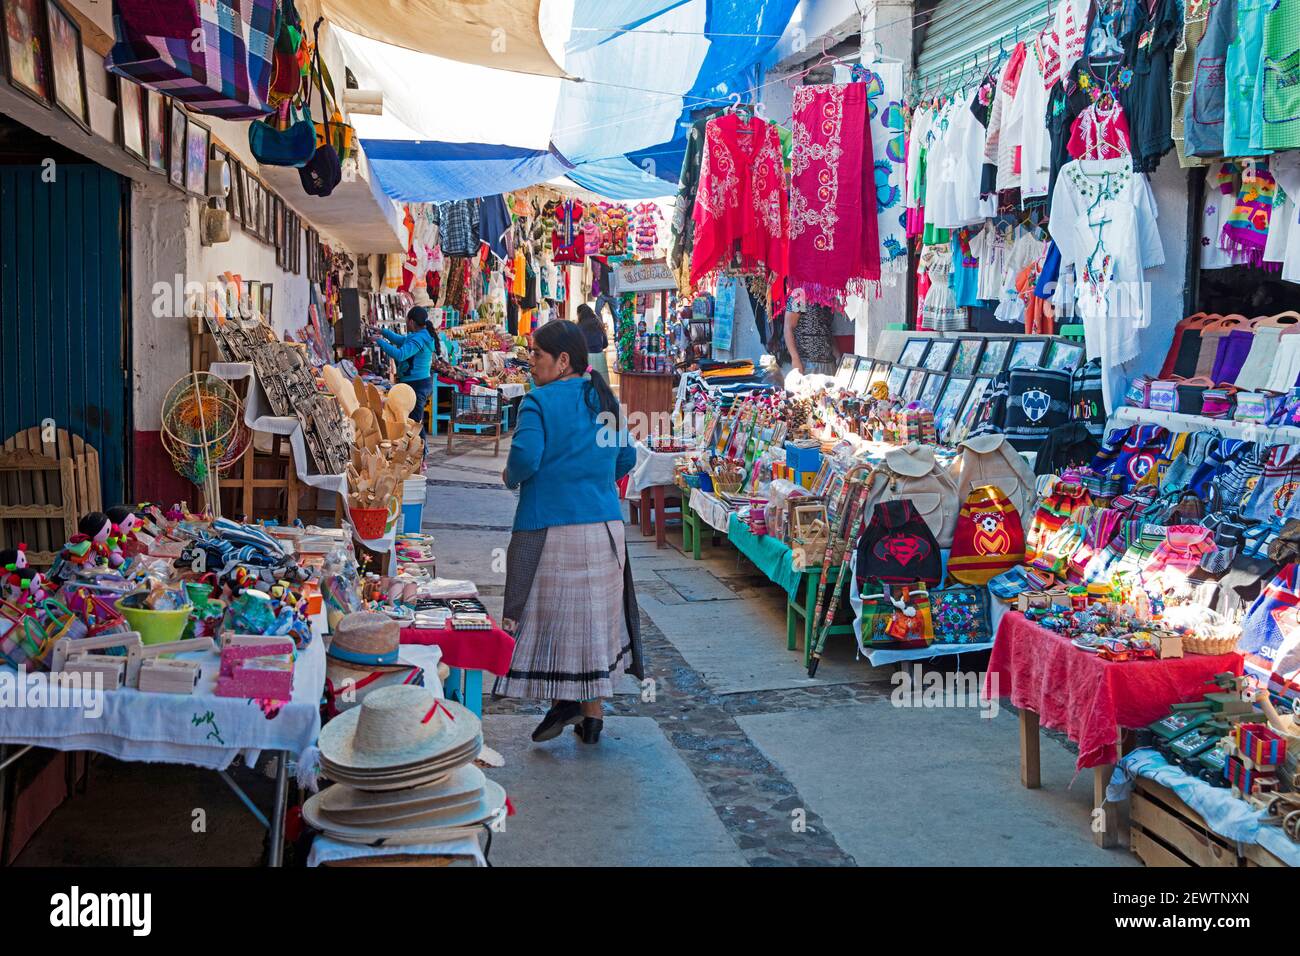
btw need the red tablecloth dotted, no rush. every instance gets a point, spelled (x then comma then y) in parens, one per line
(469, 650)
(1087, 697)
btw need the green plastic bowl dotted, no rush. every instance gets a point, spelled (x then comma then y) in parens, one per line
(155, 627)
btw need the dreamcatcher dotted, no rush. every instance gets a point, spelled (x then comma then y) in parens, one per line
(203, 431)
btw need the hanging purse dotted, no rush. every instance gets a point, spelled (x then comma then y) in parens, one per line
(324, 172)
(897, 622)
(960, 616)
(292, 143)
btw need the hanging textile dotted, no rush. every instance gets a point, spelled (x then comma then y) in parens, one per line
(741, 202)
(884, 82)
(833, 235)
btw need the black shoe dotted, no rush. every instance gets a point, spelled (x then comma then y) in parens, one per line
(589, 729)
(565, 712)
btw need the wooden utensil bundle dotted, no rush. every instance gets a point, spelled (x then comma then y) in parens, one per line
(374, 476)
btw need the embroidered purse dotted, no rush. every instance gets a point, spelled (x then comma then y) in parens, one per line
(897, 623)
(1138, 393)
(961, 616)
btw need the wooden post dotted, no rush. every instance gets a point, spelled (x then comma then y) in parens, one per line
(1105, 822)
(1030, 771)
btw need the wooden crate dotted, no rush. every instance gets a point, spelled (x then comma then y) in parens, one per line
(1165, 831)
(45, 487)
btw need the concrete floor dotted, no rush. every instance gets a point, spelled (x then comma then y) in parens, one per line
(737, 758)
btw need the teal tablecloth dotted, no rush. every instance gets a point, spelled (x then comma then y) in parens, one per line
(770, 555)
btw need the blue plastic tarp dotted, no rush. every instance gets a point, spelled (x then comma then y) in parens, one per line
(421, 171)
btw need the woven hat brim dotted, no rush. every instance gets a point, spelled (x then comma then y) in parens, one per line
(485, 808)
(342, 798)
(338, 738)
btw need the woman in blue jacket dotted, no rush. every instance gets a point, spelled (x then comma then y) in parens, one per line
(414, 354)
(569, 593)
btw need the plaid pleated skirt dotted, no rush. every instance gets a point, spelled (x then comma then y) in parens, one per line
(569, 641)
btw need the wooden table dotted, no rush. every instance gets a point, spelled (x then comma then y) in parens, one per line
(653, 509)
(648, 398)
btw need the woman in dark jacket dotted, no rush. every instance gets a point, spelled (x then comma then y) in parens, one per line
(593, 330)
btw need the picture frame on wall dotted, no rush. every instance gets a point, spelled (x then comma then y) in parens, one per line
(913, 352)
(176, 145)
(26, 50)
(130, 118)
(967, 359)
(155, 126)
(254, 298)
(267, 290)
(67, 64)
(1064, 356)
(236, 186)
(246, 198)
(197, 141)
(1026, 353)
(940, 355)
(994, 356)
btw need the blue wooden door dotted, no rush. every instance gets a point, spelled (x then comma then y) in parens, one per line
(65, 350)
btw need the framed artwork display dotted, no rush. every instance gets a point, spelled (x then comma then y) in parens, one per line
(68, 64)
(967, 359)
(879, 372)
(1064, 356)
(196, 159)
(932, 390)
(914, 352)
(27, 54)
(844, 374)
(236, 188)
(130, 117)
(994, 356)
(970, 410)
(267, 289)
(940, 355)
(895, 380)
(1027, 352)
(951, 402)
(915, 382)
(155, 125)
(176, 146)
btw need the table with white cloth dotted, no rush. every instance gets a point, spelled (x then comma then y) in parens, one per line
(258, 417)
(649, 486)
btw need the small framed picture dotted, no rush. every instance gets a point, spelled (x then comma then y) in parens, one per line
(130, 117)
(254, 298)
(27, 55)
(995, 356)
(940, 355)
(267, 289)
(914, 352)
(951, 402)
(967, 360)
(236, 189)
(932, 390)
(970, 410)
(1027, 352)
(896, 379)
(176, 146)
(1064, 356)
(155, 122)
(218, 154)
(915, 382)
(844, 374)
(196, 159)
(879, 373)
(246, 198)
(69, 66)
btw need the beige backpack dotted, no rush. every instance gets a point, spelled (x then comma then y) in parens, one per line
(991, 460)
(912, 473)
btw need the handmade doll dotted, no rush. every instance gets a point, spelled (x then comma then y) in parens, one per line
(124, 540)
(99, 529)
(20, 584)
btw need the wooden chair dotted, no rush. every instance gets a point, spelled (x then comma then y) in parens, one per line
(45, 488)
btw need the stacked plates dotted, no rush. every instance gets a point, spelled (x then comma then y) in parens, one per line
(402, 763)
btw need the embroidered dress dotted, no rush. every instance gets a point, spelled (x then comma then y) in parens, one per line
(940, 311)
(740, 206)
(991, 247)
(917, 147)
(1035, 143)
(1104, 222)
(1065, 41)
(833, 222)
(1012, 121)
(1100, 132)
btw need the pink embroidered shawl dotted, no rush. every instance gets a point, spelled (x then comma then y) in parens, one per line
(834, 244)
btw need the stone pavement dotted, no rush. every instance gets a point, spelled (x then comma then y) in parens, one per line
(733, 755)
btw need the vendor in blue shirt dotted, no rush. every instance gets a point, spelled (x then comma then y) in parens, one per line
(414, 354)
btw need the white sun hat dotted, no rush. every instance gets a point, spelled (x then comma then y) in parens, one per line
(398, 728)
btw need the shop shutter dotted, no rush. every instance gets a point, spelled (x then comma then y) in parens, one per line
(956, 31)
(63, 346)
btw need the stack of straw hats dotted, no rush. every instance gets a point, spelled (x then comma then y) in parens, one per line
(364, 657)
(403, 768)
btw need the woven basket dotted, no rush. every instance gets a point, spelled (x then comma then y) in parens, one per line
(1195, 644)
(727, 487)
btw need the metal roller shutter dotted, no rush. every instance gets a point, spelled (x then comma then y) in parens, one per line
(955, 31)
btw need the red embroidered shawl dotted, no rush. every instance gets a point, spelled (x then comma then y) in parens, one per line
(834, 234)
(741, 204)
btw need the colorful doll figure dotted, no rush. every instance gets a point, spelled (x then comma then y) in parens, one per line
(20, 584)
(99, 529)
(127, 525)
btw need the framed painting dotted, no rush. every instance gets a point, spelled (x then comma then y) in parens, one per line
(994, 357)
(940, 355)
(914, 352)
(176, 145)
(1064, 356)
(155, 124)
(950, 405)
(130, 117)
(68, 65)
(27, 53)
(915, 382)
(197, 140)
(970, 410)
(1026, 353)
(967, 359)
(896, 379)
(932, 390)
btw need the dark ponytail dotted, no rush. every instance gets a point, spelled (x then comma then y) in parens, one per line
(564, 337)
(420, 316)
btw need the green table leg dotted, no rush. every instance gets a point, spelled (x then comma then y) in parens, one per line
(809, 608)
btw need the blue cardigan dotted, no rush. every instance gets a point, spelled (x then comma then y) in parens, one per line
(563, 473)
(414, 354)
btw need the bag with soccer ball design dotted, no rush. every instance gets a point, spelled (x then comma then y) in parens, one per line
(898, 547)
(990, 537)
